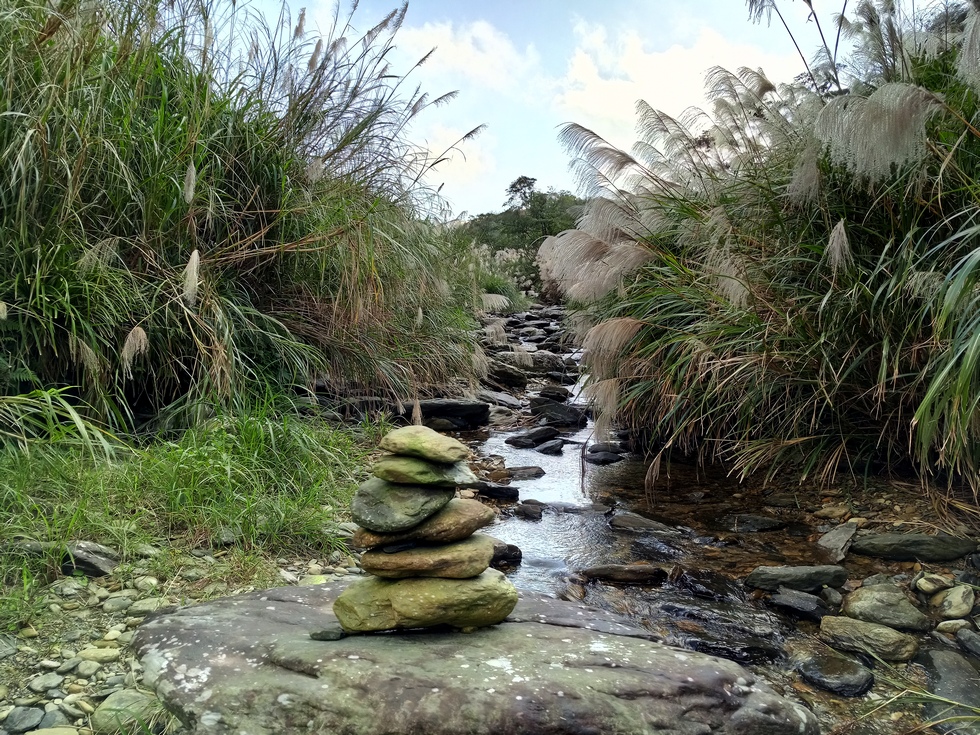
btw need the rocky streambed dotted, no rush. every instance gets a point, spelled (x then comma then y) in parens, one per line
(782, 609)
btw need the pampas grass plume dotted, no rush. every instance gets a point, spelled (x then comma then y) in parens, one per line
(136, 344)
(192, 278)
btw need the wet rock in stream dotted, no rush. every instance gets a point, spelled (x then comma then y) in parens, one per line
(913, 547)
(532, 437)
(804, 578)
(836, 673)
(953, 678)
(800, 604)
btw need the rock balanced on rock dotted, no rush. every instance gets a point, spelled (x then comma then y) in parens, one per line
(428, 566)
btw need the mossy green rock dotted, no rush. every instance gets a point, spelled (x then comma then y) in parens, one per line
(376, 604)
(414, 471)
(461, 560)
(424, 443)
(459, 519)
(387, 508)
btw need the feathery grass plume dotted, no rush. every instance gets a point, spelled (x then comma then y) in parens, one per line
(300, 28)
(416, 413)
(135, 345)
(804, 187)
(315, 56)
(494, 302)
(876, 136)
(3, 311)
(190, 182)
(522, 358)
(98, 256)
(479, 362)
(419, 318)
(924, 284)
(495, 332)
(838, 251)
(192, 280)
(605, 342)
(968, 59)
(604, 396)
(85, 356)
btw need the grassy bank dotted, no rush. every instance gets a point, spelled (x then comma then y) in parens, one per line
(787, 280)
(261, 485)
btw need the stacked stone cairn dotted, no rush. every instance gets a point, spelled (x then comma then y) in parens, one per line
(428, 566)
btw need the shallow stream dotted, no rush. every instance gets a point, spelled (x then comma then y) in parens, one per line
(701, 605)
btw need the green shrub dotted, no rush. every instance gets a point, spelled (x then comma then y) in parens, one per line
(790, 281)
(199, 204)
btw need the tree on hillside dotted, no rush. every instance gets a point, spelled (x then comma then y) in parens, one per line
(510, 239)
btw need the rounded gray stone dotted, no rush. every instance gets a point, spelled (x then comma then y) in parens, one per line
(385, 507)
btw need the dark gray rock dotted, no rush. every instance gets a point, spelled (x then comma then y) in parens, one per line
(952, 678)
(611, 447)
(557, 414)
(22, 719)
(552, 667)
(91, 559)
(832, 597)
(836, 673)
(497, 398)
(496, 490)
(564, 377)
(532, 437)
(502, 375)
(646, 574)
(529, 511)
(602, 458)
(636, 522)
(552, 447)
(800, 604)
(969, 641)
(53, 718)
(651, 548)
(913, 547)
(556, 393)
(460, 413)
(838, 541)
(806, 579)
(505, 556)
(885, 604)
(8, 646)
(524, 473)
(750, 523)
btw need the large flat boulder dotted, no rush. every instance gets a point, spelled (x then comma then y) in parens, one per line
(913, 547)
(246, 665)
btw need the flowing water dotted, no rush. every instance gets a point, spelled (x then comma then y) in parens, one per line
(700, 605)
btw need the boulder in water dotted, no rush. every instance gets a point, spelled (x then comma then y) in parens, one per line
(885, 604)
(913, 547)
(849, 634)
(804, 578)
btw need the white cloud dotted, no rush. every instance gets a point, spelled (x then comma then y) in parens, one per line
(476, 54)
(466, 163)
(605, 77)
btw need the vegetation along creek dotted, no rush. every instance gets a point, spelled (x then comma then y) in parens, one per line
(679, 439)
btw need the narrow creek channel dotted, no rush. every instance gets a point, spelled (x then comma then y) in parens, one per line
(715, 532)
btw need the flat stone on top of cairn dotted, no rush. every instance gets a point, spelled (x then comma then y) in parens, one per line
(429, 568)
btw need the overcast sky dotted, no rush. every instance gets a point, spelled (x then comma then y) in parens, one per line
(523, 68)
